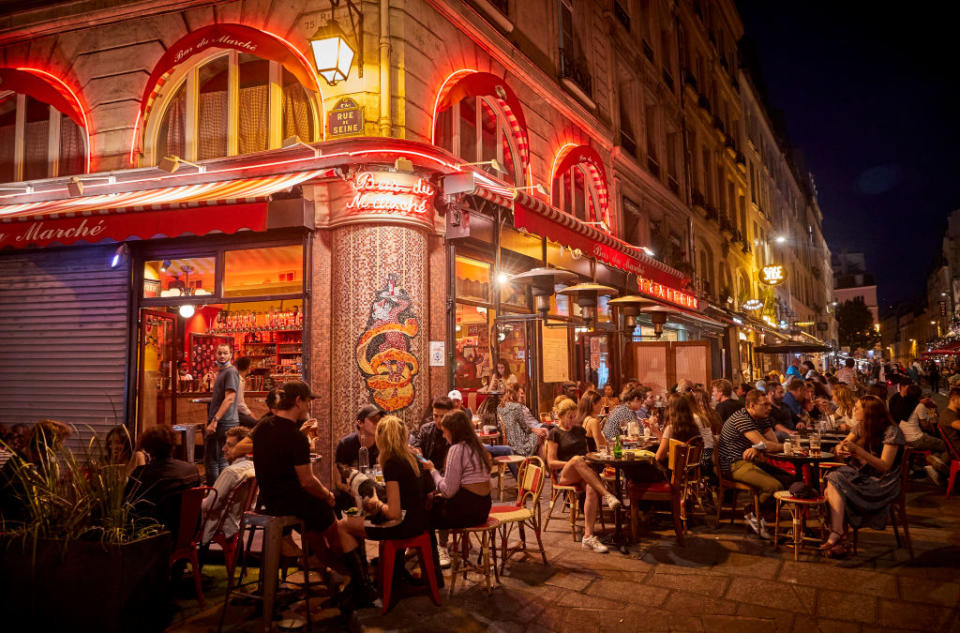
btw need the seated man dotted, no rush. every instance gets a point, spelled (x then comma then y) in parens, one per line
(619, 418)
(347, 455)
(429, 437)
(239, 471)
(949, 421)
(780, 418)
(288, 486)
(744, 439)
(795, 399)
(156, 485)
(457, 399)
(727, 404)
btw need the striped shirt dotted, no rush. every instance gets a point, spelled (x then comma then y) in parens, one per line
(616, 420)
(733, 438)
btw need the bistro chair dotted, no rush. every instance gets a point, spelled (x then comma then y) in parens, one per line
(898, 509)
(485, 535)
(725, 482)
(525, 512)
(675, 491)
(243, 495)
(571, 496)
(190, 531)
(799, 511)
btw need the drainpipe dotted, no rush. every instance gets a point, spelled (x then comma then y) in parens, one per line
(385, 123)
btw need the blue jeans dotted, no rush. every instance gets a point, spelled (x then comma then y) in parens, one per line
(214, 461)
(499, 450)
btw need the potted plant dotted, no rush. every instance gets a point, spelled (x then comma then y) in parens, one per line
(76, 556)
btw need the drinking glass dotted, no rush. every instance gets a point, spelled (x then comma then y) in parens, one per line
(815, 445)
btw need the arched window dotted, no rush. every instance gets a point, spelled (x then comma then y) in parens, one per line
(42, 129)
(478, 118)
(229, 103)
(579, 184)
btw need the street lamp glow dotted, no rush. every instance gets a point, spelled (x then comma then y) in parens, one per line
(781, 239)
(331, 53)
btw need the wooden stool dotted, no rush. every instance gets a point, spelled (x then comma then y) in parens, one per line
(798, 509)
(502, 463)
(273, 527)
(486, 535)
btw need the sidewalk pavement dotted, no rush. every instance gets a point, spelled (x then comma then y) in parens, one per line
(724, 579)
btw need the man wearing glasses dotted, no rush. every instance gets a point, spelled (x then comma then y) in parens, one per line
(744, 441)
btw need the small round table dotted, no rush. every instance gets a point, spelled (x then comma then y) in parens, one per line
(804, 458)
(619, 465)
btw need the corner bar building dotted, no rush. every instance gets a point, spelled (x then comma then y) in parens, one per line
(184, 177)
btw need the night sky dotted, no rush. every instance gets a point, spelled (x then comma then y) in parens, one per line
(871, 96)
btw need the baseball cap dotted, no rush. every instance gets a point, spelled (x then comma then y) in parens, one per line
(369, 410)
(761, 386)
(296, 388)
(455, 395)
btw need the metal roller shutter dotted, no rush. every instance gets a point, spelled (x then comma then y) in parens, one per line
(64, 332)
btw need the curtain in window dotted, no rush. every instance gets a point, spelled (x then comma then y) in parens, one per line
(35, 138)
(171, 137)
(212, 128)
(253, 119)
(296, 112)
(71, 147)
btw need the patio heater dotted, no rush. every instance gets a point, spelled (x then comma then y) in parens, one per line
(542, 282)
(630, 307)
(586, 296)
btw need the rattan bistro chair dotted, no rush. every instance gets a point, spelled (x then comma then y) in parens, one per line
(524, 513)
(725, 482)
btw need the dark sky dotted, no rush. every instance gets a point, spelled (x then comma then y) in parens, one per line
(871, 96)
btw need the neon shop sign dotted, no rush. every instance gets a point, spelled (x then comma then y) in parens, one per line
(666, 293)
(383, 192)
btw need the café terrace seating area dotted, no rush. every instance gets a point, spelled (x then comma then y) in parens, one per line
(661, 574)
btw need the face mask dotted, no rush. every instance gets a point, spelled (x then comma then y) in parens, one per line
(221, 363)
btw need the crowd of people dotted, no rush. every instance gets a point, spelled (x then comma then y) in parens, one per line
(393, 481)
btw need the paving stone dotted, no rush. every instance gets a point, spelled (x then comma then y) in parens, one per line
(696, 583)
(805, 624)
(847, 606)
(696, 604)
(929, 591)
(828, 576)
(572, 581)
(734, 624)
(910, 615)
(782, 620)
(620, 590)
(768, 593)
(753, 566)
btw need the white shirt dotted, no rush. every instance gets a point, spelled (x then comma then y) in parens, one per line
(231, 477)
(911, 426)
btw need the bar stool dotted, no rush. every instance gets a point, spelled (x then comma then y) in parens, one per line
(799, 510)
(486, 535)
(273, 527)
(502, 463)
(388, 553)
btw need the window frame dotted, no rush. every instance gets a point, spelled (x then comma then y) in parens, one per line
(189, 75)
(55, 118)
(504, 131)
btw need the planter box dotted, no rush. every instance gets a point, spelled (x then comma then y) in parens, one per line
(87, 587)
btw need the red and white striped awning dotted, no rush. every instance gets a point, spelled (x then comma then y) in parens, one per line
(196, 209)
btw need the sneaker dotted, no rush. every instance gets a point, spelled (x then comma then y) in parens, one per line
(444, 557)
(751, 520)
(612, 502)
(593, 543)
(764, 532)
(936, 462)
(932, 474)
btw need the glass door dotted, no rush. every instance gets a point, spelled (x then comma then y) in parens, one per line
(595, 360)
(157, 401)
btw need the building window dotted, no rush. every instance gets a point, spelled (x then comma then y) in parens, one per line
(231, 103)
(575, 192)
(476, 130)
(37, 140)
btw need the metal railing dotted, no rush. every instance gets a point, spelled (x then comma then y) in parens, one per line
(575, 69)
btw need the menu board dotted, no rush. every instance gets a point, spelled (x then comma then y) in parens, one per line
(556, 354)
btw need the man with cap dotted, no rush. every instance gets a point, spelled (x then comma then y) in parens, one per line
(288, 486)
(457, 399)
(347, 454)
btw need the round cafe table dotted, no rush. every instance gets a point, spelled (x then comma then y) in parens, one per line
(601, 461)
(803, 458)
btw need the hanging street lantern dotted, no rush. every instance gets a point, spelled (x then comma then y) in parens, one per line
(332, 54)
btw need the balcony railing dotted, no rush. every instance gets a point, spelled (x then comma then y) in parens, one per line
(575, 69)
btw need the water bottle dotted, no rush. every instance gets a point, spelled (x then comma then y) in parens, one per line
(364, 459)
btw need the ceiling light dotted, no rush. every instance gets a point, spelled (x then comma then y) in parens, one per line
(119, 255)
(187, 310)
(165, 265)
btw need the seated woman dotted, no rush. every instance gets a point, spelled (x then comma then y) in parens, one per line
(681, 425)
(464, 488)
(609, 399)
(710, 426)
(843, 415)
(588, 416)
(404, 509)
(862, 491)
(120, 450)
(520, 437)
(566, 446)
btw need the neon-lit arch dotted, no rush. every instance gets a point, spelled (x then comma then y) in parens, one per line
(467, 82)
(245, 39)
(584, 156)
(47, 87)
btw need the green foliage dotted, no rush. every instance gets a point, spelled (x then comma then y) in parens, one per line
(67, 498)
(855, 325)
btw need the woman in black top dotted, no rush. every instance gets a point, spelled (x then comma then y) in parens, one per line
(404, 508)
(566, 446)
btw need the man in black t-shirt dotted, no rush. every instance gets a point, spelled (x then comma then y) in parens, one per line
(723, 395)
(281, 458)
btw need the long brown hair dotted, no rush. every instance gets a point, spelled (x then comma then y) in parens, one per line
(876, 419)
(680, 417)
(845, 400)
(461, 430)
(701, 400)
(512, 394)
(588, 403)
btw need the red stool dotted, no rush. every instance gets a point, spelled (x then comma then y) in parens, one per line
(388, 554)
(954, 469)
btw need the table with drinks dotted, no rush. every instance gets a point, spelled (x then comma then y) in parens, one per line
(803, 451)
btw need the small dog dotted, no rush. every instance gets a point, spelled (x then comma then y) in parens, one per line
(358, 484)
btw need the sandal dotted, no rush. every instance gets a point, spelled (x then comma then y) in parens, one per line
(840, 549)
(831, 544)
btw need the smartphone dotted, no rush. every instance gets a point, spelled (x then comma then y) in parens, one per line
(420, 458)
